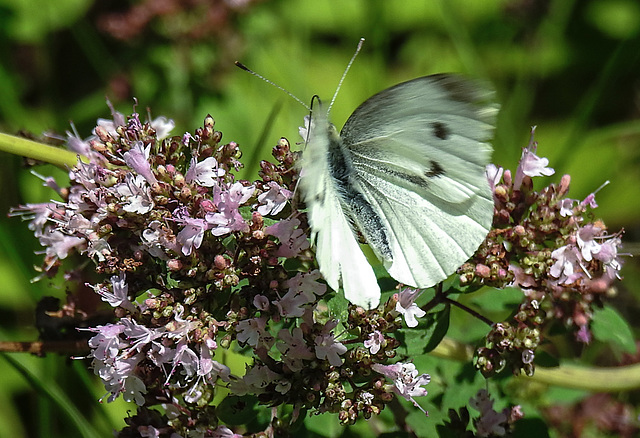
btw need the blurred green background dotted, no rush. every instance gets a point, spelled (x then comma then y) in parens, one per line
(571, 67)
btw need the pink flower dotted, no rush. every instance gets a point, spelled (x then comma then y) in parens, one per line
(294, 349)
(137, 158)
(107, 343)
(374, 342)
(136, 194)
(190, 237)
(567, 264)
(254, 381)
(111, 125)
(37, 214)
(78, 145)
(156, 238)
(583, 334)
(494, 175)
(205, 173)
(228, 217)
(304, 130)
(566, 207)
(252, 332)
(118, 296)
(59, 244)
(162, 126)
(521, 279)
(406, 306)
(292, 239)
(327, 347)
(261, 302)
(407, 382)
(586, 241)
(225, 432)
(303, 289)
(273, 201)
(530, 164)
(608, 255)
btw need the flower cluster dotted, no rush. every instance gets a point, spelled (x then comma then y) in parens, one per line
(198, 265)
(194, 263)
(547, 245)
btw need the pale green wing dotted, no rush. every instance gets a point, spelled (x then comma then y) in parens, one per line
(419, 152)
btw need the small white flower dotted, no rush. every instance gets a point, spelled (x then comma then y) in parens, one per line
(408, 308)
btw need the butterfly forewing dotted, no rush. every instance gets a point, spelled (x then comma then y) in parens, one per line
(420, 163)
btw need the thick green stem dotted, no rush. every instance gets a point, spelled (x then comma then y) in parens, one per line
(38, 151)
(602, 379)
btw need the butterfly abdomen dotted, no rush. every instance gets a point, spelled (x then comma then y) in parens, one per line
(358, 210)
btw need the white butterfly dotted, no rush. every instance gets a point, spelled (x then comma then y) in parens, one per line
(407, 172)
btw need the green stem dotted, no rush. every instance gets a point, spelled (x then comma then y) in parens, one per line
(603, 379)
(38, 151)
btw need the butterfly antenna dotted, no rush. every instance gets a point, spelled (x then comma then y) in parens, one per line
(346, 70)
(247, 69)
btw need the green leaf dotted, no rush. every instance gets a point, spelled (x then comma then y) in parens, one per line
(462, 387)
(172, 283)
(339, 307)
(323, 425)
(236, 410)
(610, 327)
(268, 221)
(428, 334)
(452, 286)
(424, 426)
(55, 393)
(546, 360)
(246, 212)
(498, 300)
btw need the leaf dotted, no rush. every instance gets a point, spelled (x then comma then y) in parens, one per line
(323, 426)
(430, 331)
(546, 360)
(610, 327)
(56, 394)
(452, 285)
(172, 283)
(235, 410)
(246, 213)
(339, 307)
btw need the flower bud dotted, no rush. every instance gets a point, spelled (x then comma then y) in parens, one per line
(220, 262)
(563, 188)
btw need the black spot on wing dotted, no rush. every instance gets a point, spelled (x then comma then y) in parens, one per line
(458, 89)
(440, 130)
(435, 170)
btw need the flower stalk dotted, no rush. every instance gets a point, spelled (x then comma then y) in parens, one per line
(38, 151)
